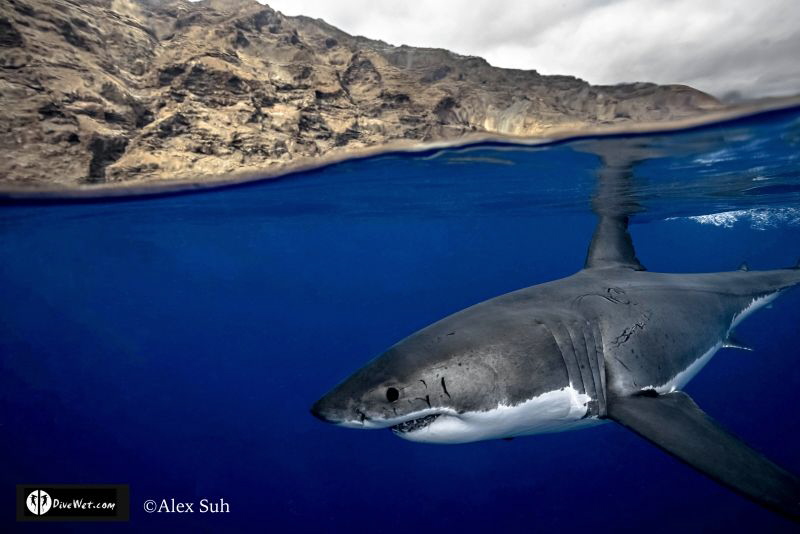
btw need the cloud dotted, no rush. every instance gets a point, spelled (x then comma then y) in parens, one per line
(718, 46)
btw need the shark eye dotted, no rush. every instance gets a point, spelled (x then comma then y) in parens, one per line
(392, 394)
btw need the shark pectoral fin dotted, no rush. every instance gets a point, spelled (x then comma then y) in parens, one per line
(677, 425)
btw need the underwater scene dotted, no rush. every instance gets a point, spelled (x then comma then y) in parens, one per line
(176, 343)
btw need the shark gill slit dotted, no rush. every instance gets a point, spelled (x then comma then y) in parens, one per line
(567, 370)
(601, 363)
(588, 346)
(579, 349)
(595, 365)
(564, 344)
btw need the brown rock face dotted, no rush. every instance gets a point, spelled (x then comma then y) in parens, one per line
(102, 91)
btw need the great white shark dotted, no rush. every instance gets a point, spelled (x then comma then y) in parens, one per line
(612, 342)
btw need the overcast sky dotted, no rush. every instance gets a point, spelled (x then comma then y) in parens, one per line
(718, 46)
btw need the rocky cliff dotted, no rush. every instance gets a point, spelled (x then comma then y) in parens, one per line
(101, 91)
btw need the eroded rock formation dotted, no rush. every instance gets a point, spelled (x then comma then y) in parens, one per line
(100, 91)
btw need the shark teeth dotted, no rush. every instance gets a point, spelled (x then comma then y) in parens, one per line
(414, 424)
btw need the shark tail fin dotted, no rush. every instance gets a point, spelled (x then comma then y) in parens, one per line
(677, 425)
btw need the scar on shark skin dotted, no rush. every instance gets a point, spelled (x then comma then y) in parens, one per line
(615, 295)
(622, 363)
(427, 400)
(628, 332)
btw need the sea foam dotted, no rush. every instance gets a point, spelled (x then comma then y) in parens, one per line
(758, 218)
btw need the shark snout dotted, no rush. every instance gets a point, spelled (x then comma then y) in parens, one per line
(323, 411)
(333, 408)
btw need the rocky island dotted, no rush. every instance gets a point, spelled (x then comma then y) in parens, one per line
(152, 91)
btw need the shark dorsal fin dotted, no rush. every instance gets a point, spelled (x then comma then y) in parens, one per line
(613, 203)
(612, 246)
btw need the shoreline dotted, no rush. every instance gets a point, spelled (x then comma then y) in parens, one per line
(132, 190)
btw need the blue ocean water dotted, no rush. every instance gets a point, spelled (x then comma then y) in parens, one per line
(176, 343)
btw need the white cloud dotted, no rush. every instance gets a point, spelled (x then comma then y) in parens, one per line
(715, 45)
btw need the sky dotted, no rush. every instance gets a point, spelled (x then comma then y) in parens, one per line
(749, 47)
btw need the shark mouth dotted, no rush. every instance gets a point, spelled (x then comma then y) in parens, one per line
(414, 424)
